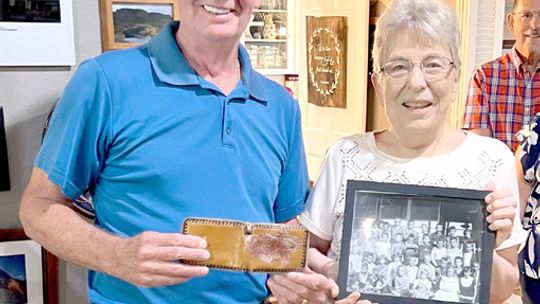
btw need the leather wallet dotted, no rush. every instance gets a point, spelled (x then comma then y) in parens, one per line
(253, 247)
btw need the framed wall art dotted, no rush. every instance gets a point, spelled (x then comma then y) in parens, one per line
(128, 23)
(4, 164)
(28, 273)
(36, 33)
(326, 39)
(415, 244)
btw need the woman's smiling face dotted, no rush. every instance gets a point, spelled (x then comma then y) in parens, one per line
(412, 104)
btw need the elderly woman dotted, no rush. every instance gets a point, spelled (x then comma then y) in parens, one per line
(416, 72)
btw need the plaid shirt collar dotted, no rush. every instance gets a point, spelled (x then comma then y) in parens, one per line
(518, 62)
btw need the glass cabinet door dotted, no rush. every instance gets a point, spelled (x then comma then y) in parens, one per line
(266, 38)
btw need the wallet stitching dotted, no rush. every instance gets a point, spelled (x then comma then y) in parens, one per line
(240, 224)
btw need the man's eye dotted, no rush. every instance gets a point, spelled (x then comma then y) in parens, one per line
(527, 15)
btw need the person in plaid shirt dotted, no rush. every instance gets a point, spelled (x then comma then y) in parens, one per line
(504, 93)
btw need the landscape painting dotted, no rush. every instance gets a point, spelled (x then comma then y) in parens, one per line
(137, 23)
(13, 288)
(129, 23)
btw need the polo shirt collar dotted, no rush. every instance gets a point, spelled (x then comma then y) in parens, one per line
(172, 68)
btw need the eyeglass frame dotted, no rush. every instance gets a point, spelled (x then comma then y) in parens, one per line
(524, 12)
(451, 64)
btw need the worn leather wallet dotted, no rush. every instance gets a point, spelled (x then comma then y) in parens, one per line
(250, 247)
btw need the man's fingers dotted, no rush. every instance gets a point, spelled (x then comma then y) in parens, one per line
(181, 253)
(173, 239)
(173, 269)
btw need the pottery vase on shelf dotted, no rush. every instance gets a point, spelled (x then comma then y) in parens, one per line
(269, 28)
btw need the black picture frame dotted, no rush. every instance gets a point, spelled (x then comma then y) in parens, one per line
(370, 205)
(5, 184)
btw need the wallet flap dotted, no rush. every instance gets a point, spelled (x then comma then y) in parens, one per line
(250, 247)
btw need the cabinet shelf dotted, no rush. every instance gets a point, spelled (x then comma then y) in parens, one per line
(272, 56)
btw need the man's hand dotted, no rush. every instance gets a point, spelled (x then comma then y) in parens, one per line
(154, 259)
(302, 287)
(501, 205)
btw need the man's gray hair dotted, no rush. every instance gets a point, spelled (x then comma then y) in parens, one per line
(431, 21)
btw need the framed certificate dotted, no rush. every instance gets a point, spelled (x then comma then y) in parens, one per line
(415, 244)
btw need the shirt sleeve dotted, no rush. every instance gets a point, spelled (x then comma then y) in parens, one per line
(318, 216)
(75, 145)
(506, 178)
(294, 181)
(476, 111)
(530, 150)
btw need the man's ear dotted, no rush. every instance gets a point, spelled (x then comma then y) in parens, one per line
(510, 22)
(375, 81)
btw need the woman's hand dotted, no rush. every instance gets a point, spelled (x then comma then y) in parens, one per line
(302, 287)
(501, 206)
(353, 298)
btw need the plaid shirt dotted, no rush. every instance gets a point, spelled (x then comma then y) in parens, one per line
(502, 97)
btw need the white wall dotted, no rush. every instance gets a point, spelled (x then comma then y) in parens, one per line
(26, 95)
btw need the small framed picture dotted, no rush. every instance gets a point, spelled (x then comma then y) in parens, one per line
(28, 273)
(415, 244)
(128, 23)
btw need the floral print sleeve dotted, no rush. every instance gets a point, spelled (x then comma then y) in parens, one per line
(530, 160)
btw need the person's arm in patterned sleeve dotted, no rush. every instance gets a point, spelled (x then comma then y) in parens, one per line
(525, 187)
(476, 114)
(526, 157)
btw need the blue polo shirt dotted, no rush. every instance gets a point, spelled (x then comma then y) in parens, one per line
(157, 143)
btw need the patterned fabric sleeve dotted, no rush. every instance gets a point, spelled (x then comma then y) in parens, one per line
(476, 111)
(528, 141)
(527, 137)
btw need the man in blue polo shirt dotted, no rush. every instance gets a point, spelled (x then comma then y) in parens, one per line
(181, 126)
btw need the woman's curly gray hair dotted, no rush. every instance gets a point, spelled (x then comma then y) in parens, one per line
(431, 21)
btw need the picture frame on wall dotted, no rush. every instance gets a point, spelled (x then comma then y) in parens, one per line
(4, 163)
(415, 244)
(37, 33)
(28, 273)
(129, 23)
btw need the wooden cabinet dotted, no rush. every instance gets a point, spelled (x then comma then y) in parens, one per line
(270, 37)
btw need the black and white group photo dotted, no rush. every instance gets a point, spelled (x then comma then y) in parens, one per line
(30, 11)
(415, 248)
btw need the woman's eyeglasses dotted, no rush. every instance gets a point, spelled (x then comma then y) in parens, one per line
(434, 68)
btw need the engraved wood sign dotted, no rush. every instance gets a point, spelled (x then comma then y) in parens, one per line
(327, 61)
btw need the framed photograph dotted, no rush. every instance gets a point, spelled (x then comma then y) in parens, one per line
(36, 33)
(28, 273)
(4, 164)
(128, 23)
(415, 244)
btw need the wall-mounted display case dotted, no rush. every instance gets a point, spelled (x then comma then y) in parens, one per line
(269, 37)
